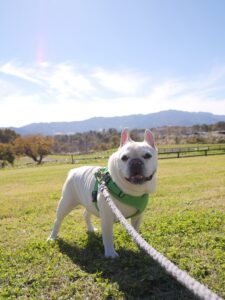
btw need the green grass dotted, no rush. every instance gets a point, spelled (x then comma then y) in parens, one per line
(184, 220)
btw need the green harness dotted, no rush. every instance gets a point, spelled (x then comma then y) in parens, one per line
(138, 202)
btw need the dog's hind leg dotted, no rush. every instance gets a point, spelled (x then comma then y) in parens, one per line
(66, 204)
(87, 218)
(64, 208)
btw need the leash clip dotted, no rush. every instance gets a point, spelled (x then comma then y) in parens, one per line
(106, 178)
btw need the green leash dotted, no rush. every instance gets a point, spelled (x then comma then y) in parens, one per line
(137, 202)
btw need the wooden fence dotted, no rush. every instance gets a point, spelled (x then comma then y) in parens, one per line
(191, 152)
(168, 153)
(163, 153)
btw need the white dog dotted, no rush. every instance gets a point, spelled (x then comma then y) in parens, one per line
(130, 177)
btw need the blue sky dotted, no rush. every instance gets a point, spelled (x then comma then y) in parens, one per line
(65, 60)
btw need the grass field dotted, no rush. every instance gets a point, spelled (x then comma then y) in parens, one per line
(184, 220)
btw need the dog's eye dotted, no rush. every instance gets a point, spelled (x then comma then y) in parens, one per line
(124, 158)
(147, 155)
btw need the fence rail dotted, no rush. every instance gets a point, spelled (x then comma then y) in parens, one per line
(162, 153)
(190, 152)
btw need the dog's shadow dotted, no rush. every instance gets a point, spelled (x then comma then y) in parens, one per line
(136, 274)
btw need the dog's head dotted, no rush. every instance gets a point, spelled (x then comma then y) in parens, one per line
(133, 167)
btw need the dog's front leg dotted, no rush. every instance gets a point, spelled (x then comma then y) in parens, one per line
(107, 220)
(136, 222)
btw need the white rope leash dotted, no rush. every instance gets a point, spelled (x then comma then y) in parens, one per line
(190, 283)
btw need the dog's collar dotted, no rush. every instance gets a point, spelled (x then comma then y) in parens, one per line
(138, 202)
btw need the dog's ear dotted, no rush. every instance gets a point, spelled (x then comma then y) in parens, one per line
(149, 138)
(125, 137)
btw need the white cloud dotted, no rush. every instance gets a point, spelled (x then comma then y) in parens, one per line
(63, 80)
(15, 70)
(121, 82)
(167, 89)
(63, 92)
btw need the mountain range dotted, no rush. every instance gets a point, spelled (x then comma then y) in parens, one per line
(139, 121)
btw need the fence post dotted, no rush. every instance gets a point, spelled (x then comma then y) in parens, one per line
(206, 152)
(72, 159)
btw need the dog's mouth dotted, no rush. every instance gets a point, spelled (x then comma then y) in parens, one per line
(139, 179)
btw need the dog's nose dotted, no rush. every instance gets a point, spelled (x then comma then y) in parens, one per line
(136, 165)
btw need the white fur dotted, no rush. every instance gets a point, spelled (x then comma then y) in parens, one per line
(80, 183)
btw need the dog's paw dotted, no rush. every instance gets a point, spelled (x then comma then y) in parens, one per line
(50, 239)
(92, 229)
(111, 254)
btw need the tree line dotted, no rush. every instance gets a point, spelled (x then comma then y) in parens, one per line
(13, 145)
(86, 142)
(107, 139)
(38, 146)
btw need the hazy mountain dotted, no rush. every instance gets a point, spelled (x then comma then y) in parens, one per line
(163, 118)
